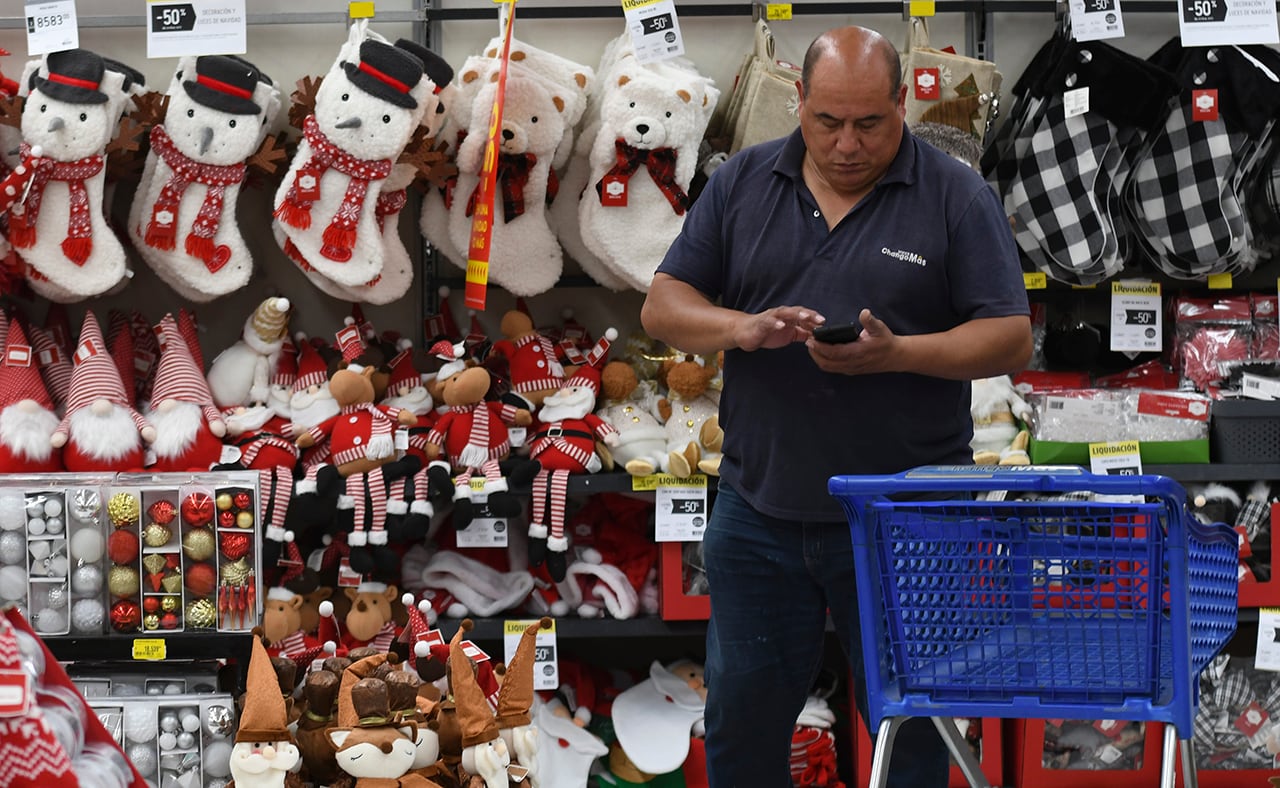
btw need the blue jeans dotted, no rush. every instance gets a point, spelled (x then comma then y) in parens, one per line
(772, 582)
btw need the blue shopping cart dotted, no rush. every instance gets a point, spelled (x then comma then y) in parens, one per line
(1065, 600)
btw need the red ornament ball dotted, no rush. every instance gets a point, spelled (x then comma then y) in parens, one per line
(242, 500)
(234, 545)
(201, 579)
(122, 546)
(169, 621)
(151, 605)
(227, 519)
(162, 512)
(125, 616)
(197, 509)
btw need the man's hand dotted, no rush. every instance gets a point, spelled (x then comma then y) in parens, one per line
(873, 351)
(776, 327)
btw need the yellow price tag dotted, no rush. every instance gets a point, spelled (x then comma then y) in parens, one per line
(655, 480)
(921, 8)
(775, 12)
(1084, 287)
(645, 483)
(477, 485)
(150, 649)
(1035, 281)
(517, 627)
(1220, 281)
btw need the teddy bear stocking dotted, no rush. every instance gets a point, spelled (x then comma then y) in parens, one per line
(184, 225)
(366, 109)
(54, 197)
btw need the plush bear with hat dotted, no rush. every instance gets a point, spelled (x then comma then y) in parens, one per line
(366, 110)
(265, 750)
(100, 430)
(54, 197)
(372, 746)
(253, 356)
(27, 420)
(189, 428)
(184, 220)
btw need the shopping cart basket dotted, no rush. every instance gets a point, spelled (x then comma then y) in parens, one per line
(1061, 605)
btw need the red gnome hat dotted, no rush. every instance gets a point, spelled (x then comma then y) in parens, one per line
(589, 373)
(120, 345)
(20, 381)
(178, 378)
(312, 370)
(286, 370)
(190, 331)
(404, 376)
(415, 629)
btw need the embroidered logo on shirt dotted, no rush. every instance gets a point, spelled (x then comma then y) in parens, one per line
(904, 256)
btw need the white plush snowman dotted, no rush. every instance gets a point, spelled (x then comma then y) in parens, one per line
(366, 110)
(59, 228)
(184, 221)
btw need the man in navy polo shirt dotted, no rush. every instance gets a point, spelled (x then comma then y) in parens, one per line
(848, 219)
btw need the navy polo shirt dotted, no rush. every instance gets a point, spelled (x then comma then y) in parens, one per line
(927, 249)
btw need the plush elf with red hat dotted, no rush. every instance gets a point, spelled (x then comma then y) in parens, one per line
(535, 368)
(101, 430)
(265, 751)
(28, 420)
(564, 444)
(189, 428)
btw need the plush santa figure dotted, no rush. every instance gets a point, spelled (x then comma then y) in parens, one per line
(311, 402)
(265, 750)
(27, 421)
(189, 428)
(101, 430)
(565, 444)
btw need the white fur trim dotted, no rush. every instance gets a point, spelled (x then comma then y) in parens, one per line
(537, 531)
(457, 610)
(346, 502)
(495, 486)
(305, 487)
(559, 608)
(378, 537)
(357, 539)
(280, 594)
(558, 544)
(590, 611)
(397, 507)
(462, 492)
(439, 464)
(370, 587)
(611, 587)
(590, 555)
(422, 507)
(483, 590)
(275, 533)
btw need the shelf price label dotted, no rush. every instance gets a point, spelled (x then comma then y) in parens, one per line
(51, 27)
(1094, 20)
(1214, 22)
(655, 29)
(149, 649)
(1115, 458)
(195, 27)
(1268, 650)
(777, 12)
(1035, 281)
(546, 668)
(680, 508)
(485, 529)
(1136, 317)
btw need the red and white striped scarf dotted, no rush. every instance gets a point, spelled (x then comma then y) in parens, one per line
(380, 428)
(162, 228)
(78, 244)
(340, 236)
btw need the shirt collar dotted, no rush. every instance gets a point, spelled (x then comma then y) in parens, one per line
(902, 169)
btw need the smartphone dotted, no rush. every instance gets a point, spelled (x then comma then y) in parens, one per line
(837, 334)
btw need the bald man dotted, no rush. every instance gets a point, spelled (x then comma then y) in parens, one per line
(847, 220)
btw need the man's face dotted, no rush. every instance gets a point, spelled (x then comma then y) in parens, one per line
(851, 122)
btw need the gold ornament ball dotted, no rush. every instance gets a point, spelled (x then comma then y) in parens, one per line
(223, 501)
(151, 621)
(156, 535)
(236, 572)
(244, 520)
(169, 604)
(123, 581)
(123, 509)
(201, 614)
(199, 544)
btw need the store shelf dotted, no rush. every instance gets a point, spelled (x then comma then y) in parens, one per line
(1217, 472)
(178, 645)
(490, 629)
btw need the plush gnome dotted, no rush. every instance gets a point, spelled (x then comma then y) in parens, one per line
(366, 109)
(27, 421)
(231, 375)
(101, 430)
(515, 704)
(185, 226)
(265, 750)
(565, 444)
(54, 197)
(189, 428)
(54, 360)
(484, 753)
(371, 745)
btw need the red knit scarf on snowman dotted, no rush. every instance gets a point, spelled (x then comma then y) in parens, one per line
(185, 171)
(340, 236)
(78, 244)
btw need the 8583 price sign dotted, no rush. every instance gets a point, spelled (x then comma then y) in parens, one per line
(51, 26)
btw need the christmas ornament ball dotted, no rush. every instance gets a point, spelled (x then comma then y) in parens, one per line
(201, 614)
(244, 520)
(219, 722)
(198, 544)
(13, 548)
(190, 720)
(49, 621)
(34, 507)
(87, 545)
(123, 509)
(151, 604)
(54, 566)
(169, 621)
(168, 741)
(56, 597)
(226, 519)
(217, 759)
(139, 724)
(35, 526)
(85, 505)
(197, 509)
(53, 507)
(162, 512)
(156, 535)
(86, 615)
(86, 580)
(216, 782)
(186, 740)
(123, 581)
(13, 583)
(234, 545)
(144, 759)
(169, 722)
(201, 579)
(242, 500)
(53, 525)
(122, 547)
(224, 501)
(169, 603)
(13, 512)
(150, 622)
(125, 615)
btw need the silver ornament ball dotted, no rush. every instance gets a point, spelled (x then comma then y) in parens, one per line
(13, 548)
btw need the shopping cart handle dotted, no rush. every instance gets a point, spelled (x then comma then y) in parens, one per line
(1029, 478)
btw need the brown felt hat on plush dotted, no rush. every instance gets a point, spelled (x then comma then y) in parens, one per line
(402, 688)
(321, 692)
(515, 696)
(474, 714)
(348, 715)
(264, 718)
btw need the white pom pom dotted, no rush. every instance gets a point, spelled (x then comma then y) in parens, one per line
(406, 599)
(288, 536)
(404, 343)
(283, 304)
(348, 321)
(421, 650)
(443, 291)
(424, 607)
(37, 150)
(611, 334)
(330, 647)
(325, 609)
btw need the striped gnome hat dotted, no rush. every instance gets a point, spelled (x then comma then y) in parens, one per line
(55, 365)
(178, 378)
(19, 376)
(589, 373)
(286, 369)
(95, 375)
(404, 376)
